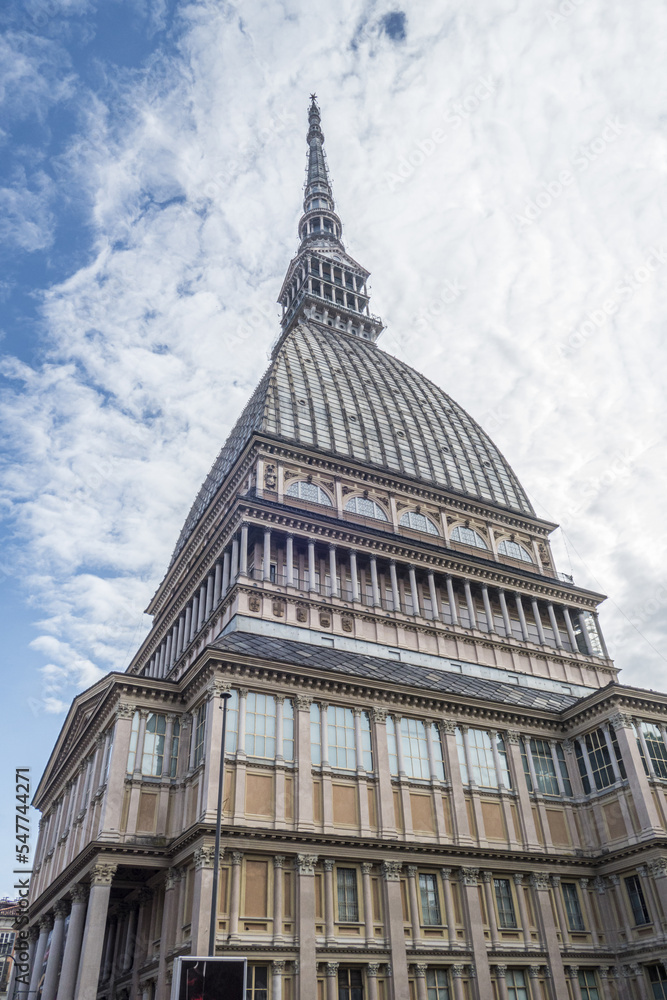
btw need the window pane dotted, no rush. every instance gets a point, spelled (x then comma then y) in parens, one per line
(545, 770)
(430, 902)
(436, 984)
(575, 918)
(348, 908)
(315, 735)
(599, 760)
(260, 737)
(340, 726)
(636, 897)
(231, 734)
(415, 748)
(504, 902)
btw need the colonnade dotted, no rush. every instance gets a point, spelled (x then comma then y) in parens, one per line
(362, 578)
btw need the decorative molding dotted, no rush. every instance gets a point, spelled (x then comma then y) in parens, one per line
(303, 702)
(373, 969)
(331, 968)
(78, 893)
(513, 736)
(305, 863)
(379, 714)
(204, 857)
(391, 871)
(61, 909)
(278, 860)
(102, 874)
(329, 864)
(124, 710)
(469, 876)
(278, 967)
(620, 720)
(420, 970)
(658, 867)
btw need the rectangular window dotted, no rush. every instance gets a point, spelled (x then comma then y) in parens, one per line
(260, 732)
(658, 978)
(350, 984)
(504, 902)
(348, 904)
(340, 726)
(515, 982)
(200, 734)
(655, 745)
(588, 985)
(636, 897)
(482, 759)
(437, 987)
(560, 753)
(545, 770)
(428, 890)
(288, 729)
(415, 748)
(107, 758)
(575, 920)
(231, 734)
(599, 760)
(257, 984)
(583, 774)
(153, 755)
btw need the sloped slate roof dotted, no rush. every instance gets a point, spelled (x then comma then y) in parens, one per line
(343, 396)
(375, 668)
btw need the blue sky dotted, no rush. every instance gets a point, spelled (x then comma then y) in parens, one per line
(499, 168)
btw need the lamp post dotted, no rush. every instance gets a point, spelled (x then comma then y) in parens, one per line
(224, 697)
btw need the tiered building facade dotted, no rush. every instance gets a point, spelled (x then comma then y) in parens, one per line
(435, 787)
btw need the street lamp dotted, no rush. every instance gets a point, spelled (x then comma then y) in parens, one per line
(224, 696)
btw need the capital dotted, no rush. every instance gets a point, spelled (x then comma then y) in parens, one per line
(621, 721)
(61, 909)
(373, 969)
(329, 864)
(331, 969)
(469, 876)
(539, 880)
(379, 714)
(420, 971)
(124, 711)
(513, 736)
(366, 867)
(204, 857)
(278, 968)
(102, 874)
(501, 971)
(278, 860)
(305, 863)
(78, 893)
(303, 702)
(447, 727)
(46, 923)
(391, 871)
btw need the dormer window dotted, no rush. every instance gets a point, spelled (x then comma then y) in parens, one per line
(310, 492)
(514, 550)
(366, 507)
(467, 536)
(418, 522)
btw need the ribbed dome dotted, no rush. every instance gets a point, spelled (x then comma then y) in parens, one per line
(346, 397)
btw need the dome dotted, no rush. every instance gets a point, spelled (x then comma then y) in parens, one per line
(344, 397)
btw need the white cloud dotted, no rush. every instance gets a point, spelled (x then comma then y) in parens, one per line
(193, 173)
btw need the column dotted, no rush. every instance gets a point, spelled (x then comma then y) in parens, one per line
(145, 897)
(266, 556)
(201, 898)
(459, 811)
(375, 587)
(45, 927)
(194, 620)
(277, 972)
(458, 972)
(470, 604)
(304, 811)
(217, 584)
(395, 595)
(612, 753)
(235, 895)
(333, 572)
(210, 584)
(584, 631)
(130, 939)
(180, 631)
(469, 879)
(523, 914)
(490, 907)
(289, 561)
(548, 933)
(109, 828)
(312, 586)
(243, 551)
(420, 976)
(500, 972)
(369, 928)
(554, 625)
(583, 885)
(331, 975)
(354, 575)
(522, 618)
(393, 909)
(435, 609)
(500, 775)
(329, 900)
(556, 760)
(101, 878)
(167, 931)
(538, 621)
(70, 965)
(513, 747)
(372, 971)
(201, 618)
(187, 631)
(573, 976)
(505, 613)
(640, 788)
(490, 624)
(446, 874)
(453, 610)
(109, 947)
(50, 986)
(560, 909)
(642, 740)
(570, 631)
(413, 590)
(414, 904)
(224, 583)
(278, 898)
(386, 817)
(305, 864)
(234, 563)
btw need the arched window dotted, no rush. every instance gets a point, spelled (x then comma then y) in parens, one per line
(514, 550)
(366, 507)
(308, 491)
(418, 522)
(466, 536)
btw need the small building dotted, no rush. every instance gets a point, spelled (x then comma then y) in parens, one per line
(435, 786)
(9, 911)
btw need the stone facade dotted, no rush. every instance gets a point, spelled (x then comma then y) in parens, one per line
(435, 787)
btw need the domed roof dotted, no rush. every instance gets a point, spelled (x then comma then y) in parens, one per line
(345, 397)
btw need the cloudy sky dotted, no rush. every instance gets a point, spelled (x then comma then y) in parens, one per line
(499, 166)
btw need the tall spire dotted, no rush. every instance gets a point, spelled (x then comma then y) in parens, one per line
(323, 283)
